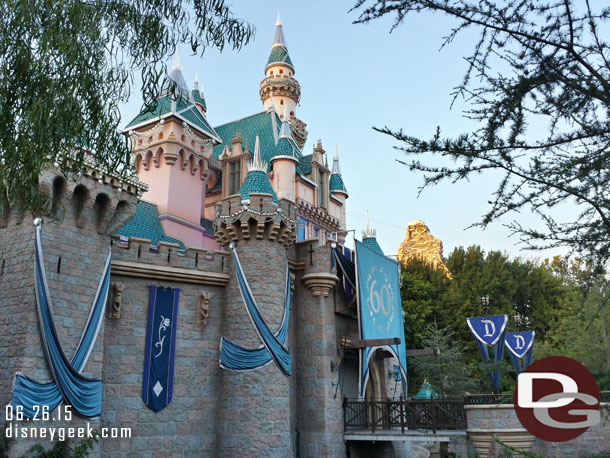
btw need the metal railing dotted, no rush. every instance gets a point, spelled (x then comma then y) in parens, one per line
(401, 415)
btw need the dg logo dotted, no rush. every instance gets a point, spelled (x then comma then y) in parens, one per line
(557, 399)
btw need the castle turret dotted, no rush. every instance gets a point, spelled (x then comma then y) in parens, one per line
(197, 96)
(280, 88)
(369, 237)
(254, 403)
(285, 162)
(171, 141)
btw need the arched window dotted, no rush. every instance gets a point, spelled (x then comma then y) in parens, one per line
(281, 102)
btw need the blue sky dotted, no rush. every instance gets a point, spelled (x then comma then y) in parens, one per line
(354, 77)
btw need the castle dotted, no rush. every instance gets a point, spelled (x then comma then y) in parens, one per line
(221, 217)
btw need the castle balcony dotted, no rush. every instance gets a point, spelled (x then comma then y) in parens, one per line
(403, 420)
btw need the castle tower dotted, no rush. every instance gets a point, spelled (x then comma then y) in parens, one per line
(171, 141)
(285, 162)
(280, 88)
(336, 187)
(254, 406)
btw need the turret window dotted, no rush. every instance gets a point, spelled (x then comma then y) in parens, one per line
(281, 102)
(234, 177)
(320, 188)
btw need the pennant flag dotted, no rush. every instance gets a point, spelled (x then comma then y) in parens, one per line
(490, 331)
(68, 385)
(236, 358)
(379, 309)
(520, 348)
(158, 383)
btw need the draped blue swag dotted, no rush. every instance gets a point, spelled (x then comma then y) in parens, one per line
(158, 381)
(490, 331)
(68, 385)
(520, 348)
(236, 358)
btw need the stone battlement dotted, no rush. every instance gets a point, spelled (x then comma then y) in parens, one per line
(261, 219)
(166, 254)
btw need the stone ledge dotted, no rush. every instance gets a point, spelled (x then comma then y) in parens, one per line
(320, 283)
(176, 274)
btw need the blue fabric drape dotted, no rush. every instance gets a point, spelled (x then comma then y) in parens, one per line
(237, 358)
(82, 393)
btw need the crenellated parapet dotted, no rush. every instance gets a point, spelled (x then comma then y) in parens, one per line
(260, 219)
(167, 262)
(94, 199)
(318, 215)
(171, 143)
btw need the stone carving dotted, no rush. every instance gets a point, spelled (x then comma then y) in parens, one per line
(203, 299)
(116, 299)
(421, 244)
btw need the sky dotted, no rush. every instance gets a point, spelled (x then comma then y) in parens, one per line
(354, 77)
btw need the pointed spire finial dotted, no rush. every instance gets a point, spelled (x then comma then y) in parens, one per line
(257, 163)
(285, 127)
(336, 169)
(196, 82)
(176, 65)
(278, 38)
(368, 232)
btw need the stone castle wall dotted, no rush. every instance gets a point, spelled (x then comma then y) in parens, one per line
(287, 415)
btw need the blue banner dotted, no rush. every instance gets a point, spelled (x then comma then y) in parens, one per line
(490, 331)
(379, 309)
(158, 383)
(520, 348)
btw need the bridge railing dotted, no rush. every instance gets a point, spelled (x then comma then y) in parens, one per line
(376, 415)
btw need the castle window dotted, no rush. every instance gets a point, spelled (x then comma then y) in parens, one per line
(281, 71)
(292, 113)
(234, 177)
(281, 102)
(301, 231)
(320, 187)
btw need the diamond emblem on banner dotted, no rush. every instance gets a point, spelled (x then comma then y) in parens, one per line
(157, 388)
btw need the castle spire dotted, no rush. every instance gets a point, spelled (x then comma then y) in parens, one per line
(196, 81)
(285, 128)
(278, 38)
(257, 163)
(369, 236)
(335, 183)
(368, 232)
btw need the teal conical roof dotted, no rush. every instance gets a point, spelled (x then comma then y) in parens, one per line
(256, 180)
(426, 392)
(176, 100)
(335, 183)
(279, 50)
(285, 144)
(279, 55)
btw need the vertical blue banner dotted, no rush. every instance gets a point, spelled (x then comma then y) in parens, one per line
(158, 382)
(379, 309)
(490, 331)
